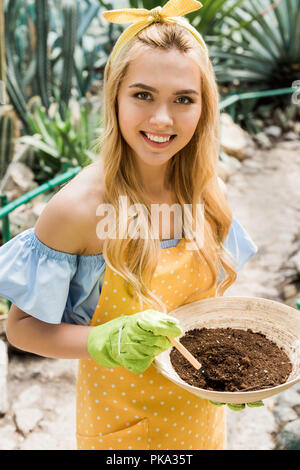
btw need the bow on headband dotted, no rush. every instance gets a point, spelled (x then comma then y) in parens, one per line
(142, 18)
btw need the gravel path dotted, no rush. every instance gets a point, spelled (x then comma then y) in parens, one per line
(264, 196)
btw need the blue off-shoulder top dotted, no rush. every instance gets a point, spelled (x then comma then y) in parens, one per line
(56, 287)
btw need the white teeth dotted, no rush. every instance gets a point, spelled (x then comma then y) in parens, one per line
(158, 139)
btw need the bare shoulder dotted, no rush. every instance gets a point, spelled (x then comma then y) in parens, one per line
(68, 222)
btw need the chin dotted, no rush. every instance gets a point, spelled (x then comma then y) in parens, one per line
(157, 160)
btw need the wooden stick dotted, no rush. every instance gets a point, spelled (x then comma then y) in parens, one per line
(185, 353)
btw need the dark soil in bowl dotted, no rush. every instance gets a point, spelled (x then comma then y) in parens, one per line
(240, 360)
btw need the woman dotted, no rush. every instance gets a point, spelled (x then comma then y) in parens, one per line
(159, 146)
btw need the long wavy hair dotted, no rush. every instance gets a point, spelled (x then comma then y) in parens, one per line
(192, 173)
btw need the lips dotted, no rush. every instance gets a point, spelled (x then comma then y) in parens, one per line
(158, 144)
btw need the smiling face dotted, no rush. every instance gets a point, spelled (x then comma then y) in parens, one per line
(160, 95)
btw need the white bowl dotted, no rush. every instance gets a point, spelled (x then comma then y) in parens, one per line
(278, 322)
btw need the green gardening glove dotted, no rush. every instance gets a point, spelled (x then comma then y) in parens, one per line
(236, 407)
(132, 341)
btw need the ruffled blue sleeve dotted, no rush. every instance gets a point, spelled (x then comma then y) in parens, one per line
(239, 244)
(36, 278)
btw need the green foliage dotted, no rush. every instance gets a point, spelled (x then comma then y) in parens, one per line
(7, 140)
(38, 61)
(71, 139)
(68, 47)
(2, 46)
(263, 47)
(149, 4)
(54, 51)
(8, 125)
(53, 45)
(259, 49)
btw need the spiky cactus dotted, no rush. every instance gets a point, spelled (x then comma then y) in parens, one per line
(7, 121)
(68, 47)
(14, 84)
(2, 53)
(7, 129)
(43, 65)
(7, 141)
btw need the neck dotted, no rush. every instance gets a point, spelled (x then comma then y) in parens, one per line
(154, 180)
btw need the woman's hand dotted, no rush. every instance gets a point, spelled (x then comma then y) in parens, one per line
(132, 341)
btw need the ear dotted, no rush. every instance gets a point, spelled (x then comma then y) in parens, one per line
(222, 186)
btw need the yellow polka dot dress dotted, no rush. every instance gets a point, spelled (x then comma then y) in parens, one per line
(119, 410)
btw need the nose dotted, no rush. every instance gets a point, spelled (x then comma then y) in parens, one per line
(161, 117)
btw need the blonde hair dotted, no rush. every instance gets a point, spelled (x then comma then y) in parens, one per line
(192, 170)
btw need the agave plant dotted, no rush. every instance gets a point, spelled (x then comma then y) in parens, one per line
(72, 139)
(261, 46)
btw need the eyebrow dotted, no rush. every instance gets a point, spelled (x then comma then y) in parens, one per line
(150, 88)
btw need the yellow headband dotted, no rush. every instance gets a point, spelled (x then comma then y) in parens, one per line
(142, 18)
